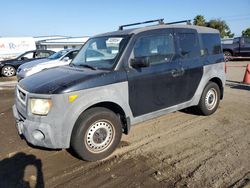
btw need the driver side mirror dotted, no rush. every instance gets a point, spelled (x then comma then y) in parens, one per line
(140, 62)
(66, 59)
(23, 58)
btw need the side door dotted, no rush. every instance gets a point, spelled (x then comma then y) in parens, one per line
(191, 62)
(159, 85)
(29, 56)
(245, 46)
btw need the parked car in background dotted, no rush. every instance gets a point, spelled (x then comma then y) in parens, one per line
(236, 47)
(60, 58)
(8, 67)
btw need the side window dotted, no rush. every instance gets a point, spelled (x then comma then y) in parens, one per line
(29, 55)
(211, 44)
(247, 40)
(157, 48)
(188, 45)
(42, 54)
(71, 55)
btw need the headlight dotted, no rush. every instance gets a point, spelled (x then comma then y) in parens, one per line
(27, 69)
(40, 106)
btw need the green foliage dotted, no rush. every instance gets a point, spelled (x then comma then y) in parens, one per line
(222, 26)
(219, 24)
(199, 20)
(246, 33)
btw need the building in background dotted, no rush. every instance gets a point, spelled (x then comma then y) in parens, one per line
(57, 43)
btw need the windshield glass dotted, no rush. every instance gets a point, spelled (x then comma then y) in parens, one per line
(57, 55)
(100, 52)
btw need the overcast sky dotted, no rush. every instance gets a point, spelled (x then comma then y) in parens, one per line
(86, 18)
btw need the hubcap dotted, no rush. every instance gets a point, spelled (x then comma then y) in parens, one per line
(211, 99)
(99, 136)
(8, 71)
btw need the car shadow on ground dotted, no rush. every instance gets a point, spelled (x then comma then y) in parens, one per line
(21, 170)
(237, 85)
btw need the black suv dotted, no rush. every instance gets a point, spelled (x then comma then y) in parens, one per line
(119, 79)
(8, 67)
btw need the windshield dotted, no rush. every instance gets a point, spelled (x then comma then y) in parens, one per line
(57, 55)
(100, 52)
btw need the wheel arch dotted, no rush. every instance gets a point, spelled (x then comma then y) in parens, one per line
(228, 50)
(220, 84)
(117, 109)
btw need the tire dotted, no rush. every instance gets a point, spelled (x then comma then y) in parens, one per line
(209, 100)
(96, 134)
(8, 71)
(227, 55)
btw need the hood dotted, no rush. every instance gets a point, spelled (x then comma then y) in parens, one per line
(34, 63)
(66, 79)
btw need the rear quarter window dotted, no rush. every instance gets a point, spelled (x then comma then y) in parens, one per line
(211, 44)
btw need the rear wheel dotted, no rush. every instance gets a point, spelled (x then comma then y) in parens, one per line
(209, 100)
(8, 71)
(96, 134)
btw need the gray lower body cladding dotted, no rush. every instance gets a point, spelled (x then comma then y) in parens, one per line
(57, 126)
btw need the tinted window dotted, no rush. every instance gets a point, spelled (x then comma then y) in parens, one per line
(42, 54)
(158, 48)
(211, 44)
(188, 45)
(57, 55)
(247, 40)
(29, 55)
(71, 55)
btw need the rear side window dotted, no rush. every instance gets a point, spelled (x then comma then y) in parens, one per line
(211, 44)
(42, 54)
(247, 40)
(157, 48)
(188, 45)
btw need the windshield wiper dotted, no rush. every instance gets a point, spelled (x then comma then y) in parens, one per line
(88, 66)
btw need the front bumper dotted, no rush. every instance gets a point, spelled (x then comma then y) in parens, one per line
(37, 134)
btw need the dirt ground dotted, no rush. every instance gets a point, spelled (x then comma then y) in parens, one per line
(176, 150)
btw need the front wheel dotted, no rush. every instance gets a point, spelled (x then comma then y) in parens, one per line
(8, 71)
(96, 134)
(209, 100)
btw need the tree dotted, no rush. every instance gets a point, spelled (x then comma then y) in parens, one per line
(219, 24)
(222, 26)
(199, 20)
(246, 33)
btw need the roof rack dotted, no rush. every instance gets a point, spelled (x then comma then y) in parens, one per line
(182, 21)
(160, 21)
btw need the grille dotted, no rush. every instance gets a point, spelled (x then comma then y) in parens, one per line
(21, 95)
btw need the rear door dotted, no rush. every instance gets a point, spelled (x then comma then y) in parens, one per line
(189, 56)
(160, 85)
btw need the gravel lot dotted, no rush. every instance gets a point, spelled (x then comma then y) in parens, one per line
(176, 150)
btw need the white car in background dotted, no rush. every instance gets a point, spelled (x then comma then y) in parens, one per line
(63, 57)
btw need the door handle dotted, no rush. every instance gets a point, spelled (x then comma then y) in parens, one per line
(176, 72)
